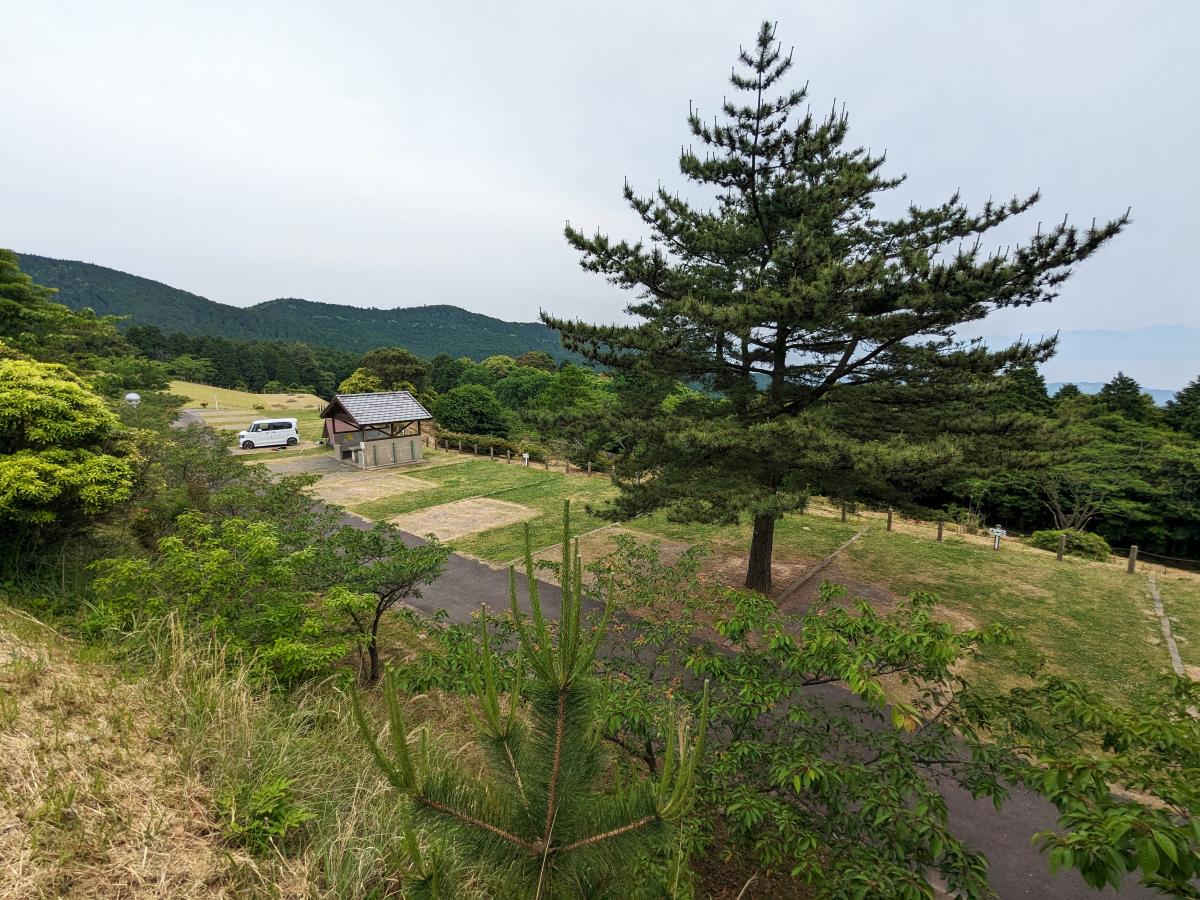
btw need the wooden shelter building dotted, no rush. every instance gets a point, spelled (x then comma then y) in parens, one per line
(375, 430)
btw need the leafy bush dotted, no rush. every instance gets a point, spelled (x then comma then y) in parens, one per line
(235, 581)
(471, 408)
(1079, 543)
(63, 453)
(258, 817)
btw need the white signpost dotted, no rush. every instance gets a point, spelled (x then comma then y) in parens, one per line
(525, 456)
(997, 533)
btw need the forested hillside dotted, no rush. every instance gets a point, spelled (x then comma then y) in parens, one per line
(425, 330)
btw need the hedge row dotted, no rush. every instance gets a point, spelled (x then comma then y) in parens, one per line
(484, 442)
(537, 452)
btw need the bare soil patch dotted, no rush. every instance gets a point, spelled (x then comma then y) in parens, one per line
(345, 485)
(595, 545)
(728, 570)
(451, 520)
(350, 488)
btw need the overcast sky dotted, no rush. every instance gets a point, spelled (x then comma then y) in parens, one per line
(396, 154)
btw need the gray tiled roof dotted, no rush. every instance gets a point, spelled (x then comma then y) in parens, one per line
(376, 409)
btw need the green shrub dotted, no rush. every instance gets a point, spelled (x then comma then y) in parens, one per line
(258, 817)
(1079, 543)
(451, 440)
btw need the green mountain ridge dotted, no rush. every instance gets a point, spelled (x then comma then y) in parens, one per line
(425, 330)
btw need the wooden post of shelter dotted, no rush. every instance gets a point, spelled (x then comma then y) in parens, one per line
(1062, 546)
(941, 528)
(1132, 567)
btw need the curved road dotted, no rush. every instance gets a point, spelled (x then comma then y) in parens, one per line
(1015, 868)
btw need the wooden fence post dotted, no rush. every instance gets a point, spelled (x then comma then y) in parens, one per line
(1132, 567)
(507, 456)
(476, 446)
(941, 526)
(460, 446)
(546, 463)
(589, 469)
(491, 452)
(889, 524)
(1062, 545)
(843, 512)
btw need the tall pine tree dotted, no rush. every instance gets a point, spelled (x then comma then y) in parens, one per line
(790, 301)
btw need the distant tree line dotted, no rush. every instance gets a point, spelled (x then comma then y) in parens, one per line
(1111, 463)
(256, 366)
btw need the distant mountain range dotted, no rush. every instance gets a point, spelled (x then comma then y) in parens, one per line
(425, 330)
(1156, 355)
(1162, 358)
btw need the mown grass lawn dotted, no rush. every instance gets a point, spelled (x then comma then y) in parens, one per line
(1180, 592)
(1085, 619)
(532, 487)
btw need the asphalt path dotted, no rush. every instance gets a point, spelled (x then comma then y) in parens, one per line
(1015, 868)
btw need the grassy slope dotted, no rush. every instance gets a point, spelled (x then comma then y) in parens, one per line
(92, 800)
(1088, 619)
(111, 782)
(1180, 593)
(230, 410)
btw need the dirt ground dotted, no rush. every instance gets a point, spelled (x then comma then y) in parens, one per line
(344, 485)
(594, 545)
(303, 445)
(451, 520)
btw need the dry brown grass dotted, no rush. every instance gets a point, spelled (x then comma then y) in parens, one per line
(451, 520)
(91, 801)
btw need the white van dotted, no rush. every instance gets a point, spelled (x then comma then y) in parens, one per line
(269, 433)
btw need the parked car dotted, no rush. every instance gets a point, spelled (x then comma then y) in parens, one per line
(269, 433)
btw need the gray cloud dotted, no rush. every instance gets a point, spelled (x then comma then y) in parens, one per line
(394, 154)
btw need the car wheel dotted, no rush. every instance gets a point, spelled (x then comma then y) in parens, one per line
(247, 445)
(292, 442)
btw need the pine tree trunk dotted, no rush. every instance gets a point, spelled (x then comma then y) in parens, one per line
(758, 573)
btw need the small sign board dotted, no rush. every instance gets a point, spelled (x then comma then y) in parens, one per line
(998, 532)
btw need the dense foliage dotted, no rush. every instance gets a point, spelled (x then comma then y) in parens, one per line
(471, 409)
(1074, 543)
(63, 454)
(1118, 466)
(271, 366)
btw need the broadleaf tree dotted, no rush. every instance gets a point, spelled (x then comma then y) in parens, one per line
(792, 298)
